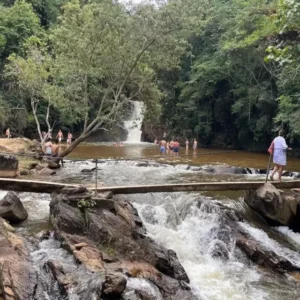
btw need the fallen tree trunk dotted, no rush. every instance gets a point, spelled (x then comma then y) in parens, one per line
(195, 187)
(19, 185)
(49, 187)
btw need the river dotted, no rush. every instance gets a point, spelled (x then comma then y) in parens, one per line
(173, 219)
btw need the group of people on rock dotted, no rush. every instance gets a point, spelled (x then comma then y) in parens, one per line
(60, 136)
(173, 146)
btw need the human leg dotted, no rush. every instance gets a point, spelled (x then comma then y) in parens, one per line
(280, 168)
(274, 171)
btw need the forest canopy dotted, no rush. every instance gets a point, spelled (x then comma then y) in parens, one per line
(225, 72)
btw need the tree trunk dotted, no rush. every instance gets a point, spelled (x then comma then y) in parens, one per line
(81, 138)
(34, 109)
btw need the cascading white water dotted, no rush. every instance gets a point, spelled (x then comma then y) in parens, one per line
(193, 232)
(134, 124)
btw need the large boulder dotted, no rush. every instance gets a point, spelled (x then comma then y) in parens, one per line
(12, 209)
(273, 204)
(18, 279)
(8, 166)
(107, 235)
(46, 172)
(114, 285)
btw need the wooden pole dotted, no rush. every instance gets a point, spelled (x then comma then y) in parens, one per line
(49, 187)
(96, 174)
(268, 170)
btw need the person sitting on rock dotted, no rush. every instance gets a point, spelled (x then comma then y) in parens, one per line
(47, 148)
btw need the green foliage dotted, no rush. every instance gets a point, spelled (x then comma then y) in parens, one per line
(17, 23)
(226, 72)
(228, 90)
(86, 204)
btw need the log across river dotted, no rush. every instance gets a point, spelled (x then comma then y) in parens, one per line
(49, 187)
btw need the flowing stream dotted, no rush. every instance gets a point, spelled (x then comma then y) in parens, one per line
(177, 222)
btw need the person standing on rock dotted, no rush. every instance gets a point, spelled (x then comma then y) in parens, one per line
(7, 133)
(279, 148)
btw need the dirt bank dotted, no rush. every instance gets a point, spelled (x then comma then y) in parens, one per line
(24, 149)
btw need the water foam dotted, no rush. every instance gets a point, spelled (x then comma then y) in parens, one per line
(193, 239)
(271, 244)
(290, 234)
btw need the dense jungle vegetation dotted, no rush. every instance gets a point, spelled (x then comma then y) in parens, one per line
(224, 71)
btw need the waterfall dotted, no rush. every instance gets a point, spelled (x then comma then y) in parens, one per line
(134, 124)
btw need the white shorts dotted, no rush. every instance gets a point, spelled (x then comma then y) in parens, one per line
(59, 139)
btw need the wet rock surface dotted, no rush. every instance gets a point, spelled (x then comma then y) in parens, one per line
(46, 172)
(251, 249)
(278, 207)
(12, 209)
(112, 240)
(263, 257)
(18, 280)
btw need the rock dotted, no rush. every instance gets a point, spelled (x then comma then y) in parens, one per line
(80, 245)
(46, 172)
(33, 165)
(88, 170)
(74, 191)
(262, 256)
(273, 205)
(53, 165)
(43, 235)
(114, 285)
(65, 217)
(143, 164)
(225, 169)
(59, 273)
(25, 172)
(12, 209)
(8, 166)
(196, 169)
(18, 279)
(112, 239)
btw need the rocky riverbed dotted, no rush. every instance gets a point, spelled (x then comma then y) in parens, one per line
(152, 246)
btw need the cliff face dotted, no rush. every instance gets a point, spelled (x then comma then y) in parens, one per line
(114, 135)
